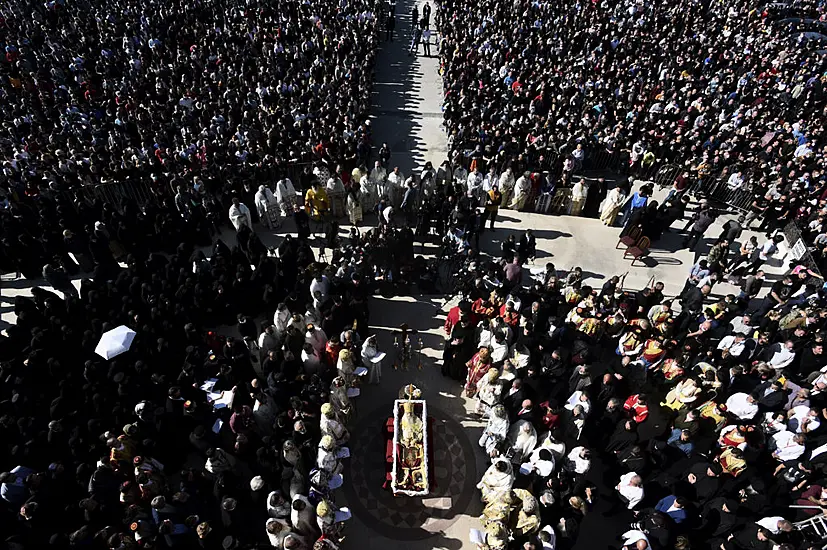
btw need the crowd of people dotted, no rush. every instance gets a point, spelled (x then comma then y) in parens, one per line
(725, 87)
(189, 438)
(206, 96)
(707, 414)
(707, 417)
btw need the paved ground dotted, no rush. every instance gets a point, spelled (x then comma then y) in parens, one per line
(407, 98)
(408, 118)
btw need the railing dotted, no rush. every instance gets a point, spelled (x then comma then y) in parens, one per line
(118, 194)
(717, 189)
(667, 174)
(597, 157)
(815, 527)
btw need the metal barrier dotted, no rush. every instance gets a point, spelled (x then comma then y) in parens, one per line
(739, 198)
(114, 194)
(119, 193)
(544, 202)
(716, 188)
(598, 158)
(667, 174)
(561, 202)
(142, 193)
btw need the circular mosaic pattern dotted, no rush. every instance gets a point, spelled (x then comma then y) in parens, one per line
(403, 517)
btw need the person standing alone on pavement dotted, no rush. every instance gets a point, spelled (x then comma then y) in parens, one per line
(57, 277)
(416, 35)
(426, 41)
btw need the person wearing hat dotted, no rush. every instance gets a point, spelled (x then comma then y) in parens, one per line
(704, 481)
(268, 208)
(346, 369)
(489, 390)
(316, 337)
(343, 406)
(454, 315)
(522, 189)
(326, 520)
(718, 519)
(371, 359)
(331, 426)
(327, 457)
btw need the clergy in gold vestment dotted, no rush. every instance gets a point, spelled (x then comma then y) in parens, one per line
(411, 426)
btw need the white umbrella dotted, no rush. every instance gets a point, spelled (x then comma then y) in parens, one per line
(115, 342)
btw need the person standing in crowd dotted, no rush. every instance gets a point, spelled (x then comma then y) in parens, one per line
(240, 215)
(579, 194)
(700, 222)
(426, 41)
(493, 200)
(612, 205)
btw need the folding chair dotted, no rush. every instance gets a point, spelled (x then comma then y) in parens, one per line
(630, 238)
(638, 251)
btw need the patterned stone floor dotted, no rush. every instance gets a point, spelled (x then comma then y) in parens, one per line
(409, 518)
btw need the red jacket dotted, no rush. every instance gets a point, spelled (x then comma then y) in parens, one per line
(451, 320)
(638, 410)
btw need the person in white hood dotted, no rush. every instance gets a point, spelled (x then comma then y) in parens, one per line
(277, 530)
(320, 284)
(303, 517)
(240, 215)
(286, 196)
(267, 207)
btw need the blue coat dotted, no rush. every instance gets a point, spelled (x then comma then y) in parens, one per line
(677, 515)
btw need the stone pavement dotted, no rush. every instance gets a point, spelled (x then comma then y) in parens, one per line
(407, 97)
